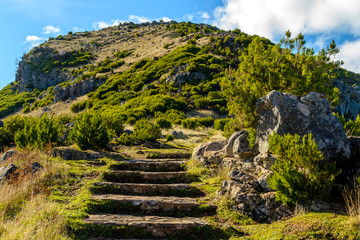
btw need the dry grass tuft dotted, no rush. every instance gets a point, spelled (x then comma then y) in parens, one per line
(352, 203)
(26, 211)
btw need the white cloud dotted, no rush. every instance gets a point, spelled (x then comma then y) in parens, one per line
(350, 53)
(205, 15)
(166, 19)
(138, 19)
(103, 24)
(34, 40)
(77, 29)
(273, 18)
(51, 30)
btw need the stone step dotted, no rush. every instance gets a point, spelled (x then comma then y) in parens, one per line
(174, 189)
(154, 165)
(154, 205)
(158, 226)
(126, 176)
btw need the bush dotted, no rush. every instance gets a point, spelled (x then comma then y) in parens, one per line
(230, 127)
(169, 137)
(205, 122)
(300, 175)
(131, 120)
(163, 123)
(113, 122)
(26, 109)
(189, 123)
(77, 107)
(126, 139)
(219, 124)
(11, 126)
(38, 133)
(352, 128)
(144, 130)
(90, 131)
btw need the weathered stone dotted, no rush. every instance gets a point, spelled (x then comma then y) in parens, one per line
(319, 206)
(209, 152)
(33, 168)
(73, 154)
(76, 89)
(240, 177)
(285, 113)
(130, 176)
(264, 160)
(162, 165)
(128, 132)
(241, 148)
(230, 145)
(6, 172)
(182, 76)
(7, 155)
(262, 180)
(349, 102)
(160, 227)
(178, 134)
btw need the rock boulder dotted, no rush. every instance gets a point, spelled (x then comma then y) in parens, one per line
(209, 152)
(285, 113)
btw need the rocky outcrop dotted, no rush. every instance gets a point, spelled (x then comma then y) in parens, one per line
(29, 76)
(241, 148)
(76, 89)
(230, 144)
(7, 155)
(73, 154)
(209, 152)
(349, 104)
(252, 200)
(7, 172)
(285, 113)
(181, 76)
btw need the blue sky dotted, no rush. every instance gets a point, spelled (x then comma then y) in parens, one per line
(26, 23)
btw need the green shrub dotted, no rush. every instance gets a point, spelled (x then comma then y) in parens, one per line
(38, 133)
(219, 124)
(287, 67)
(189, 123)
(11, 126)
(163, 123)
(26, 109)
(77, 107)
(144, 130)
(205, 122)
(169, 137)
(113, 122)
(300, 174)
(131, 120)
(90, 132)
(352, 128)
(126, 139)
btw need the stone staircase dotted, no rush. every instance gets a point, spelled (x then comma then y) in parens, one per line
(149, 195)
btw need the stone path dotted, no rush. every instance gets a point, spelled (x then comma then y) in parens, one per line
(152, 195)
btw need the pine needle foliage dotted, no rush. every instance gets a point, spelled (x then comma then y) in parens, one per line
(90, 131)
(38, 132)
(300, 174)
(287, 67)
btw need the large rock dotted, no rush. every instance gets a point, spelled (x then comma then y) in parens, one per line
(7, 155)
(76, 89)
(349, 104)
(251, 200)
(285, 113)
(209, 152)
(230, 145)
(241, 148)
(6, 172)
